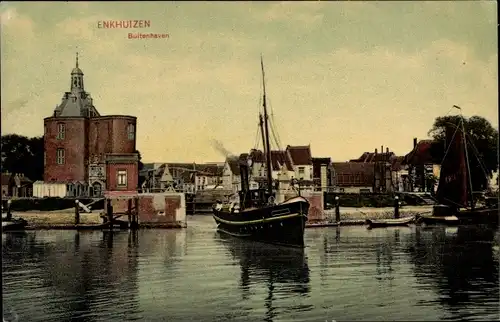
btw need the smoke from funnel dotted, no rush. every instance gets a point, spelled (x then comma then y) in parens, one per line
(217, 145)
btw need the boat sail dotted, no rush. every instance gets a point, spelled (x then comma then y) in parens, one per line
(257, 216)
(455, 191)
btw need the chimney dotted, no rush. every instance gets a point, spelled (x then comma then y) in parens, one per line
(387, 150)
(414, 142)
(381, 149)
(375, 151)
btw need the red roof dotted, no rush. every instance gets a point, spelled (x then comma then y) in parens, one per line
(300, 155)
(374, 157)
(280, 158)
(420, 154)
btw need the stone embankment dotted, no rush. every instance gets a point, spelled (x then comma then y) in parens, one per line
(358, 216)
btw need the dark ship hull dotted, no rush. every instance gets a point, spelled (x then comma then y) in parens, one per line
(281, 224)
(14, 224)
(444, 215)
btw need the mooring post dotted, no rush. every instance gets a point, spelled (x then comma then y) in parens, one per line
(129, 213)
(110, 214)
(9, 214)
(136, 214)
(77, 213)
(396, 207)
(337, 209)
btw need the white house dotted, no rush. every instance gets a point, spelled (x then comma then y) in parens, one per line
(301, 159)
(231, 179)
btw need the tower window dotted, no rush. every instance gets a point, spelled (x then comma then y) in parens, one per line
(60, 156)
(61, 129)
(122, 178)
(131, 131)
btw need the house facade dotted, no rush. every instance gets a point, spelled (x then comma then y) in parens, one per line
(16, 185)
(301, 159)
(182, 177)
(423, 167)
(353, 177)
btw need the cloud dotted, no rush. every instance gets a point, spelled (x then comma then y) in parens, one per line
(14, 105)
(11, 20)
(307, 13)
(344, 97)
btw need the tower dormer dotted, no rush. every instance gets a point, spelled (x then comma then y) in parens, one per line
(77, 78)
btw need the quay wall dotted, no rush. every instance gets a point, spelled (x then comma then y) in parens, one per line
(156, 209)
(315, 198)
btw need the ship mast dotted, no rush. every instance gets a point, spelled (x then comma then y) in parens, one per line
(266, 134)
(464, 135)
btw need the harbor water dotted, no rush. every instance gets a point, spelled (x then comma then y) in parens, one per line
(197, 274)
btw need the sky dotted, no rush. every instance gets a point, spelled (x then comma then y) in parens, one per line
(344, 77)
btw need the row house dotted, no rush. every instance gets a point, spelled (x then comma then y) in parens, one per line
(293, 163)
(371, 172)
(16, 185)
(353, 177)
(181, 177)
(382, 169)
(301, 159)
(208, 176)
(231, 179)
(423, 166)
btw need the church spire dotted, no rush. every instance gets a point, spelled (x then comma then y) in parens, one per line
(77, 78)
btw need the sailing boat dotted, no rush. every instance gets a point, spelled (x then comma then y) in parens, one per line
(454, 194)
(257, 216)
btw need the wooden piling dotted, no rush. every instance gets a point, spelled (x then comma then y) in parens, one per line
(77, 213)
(129, 213)
(396, 207)
(337, 209)
(9, 214)
(136, 213)
(110, 214)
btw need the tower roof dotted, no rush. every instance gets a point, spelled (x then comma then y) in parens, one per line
(76, 102)
(77, 70)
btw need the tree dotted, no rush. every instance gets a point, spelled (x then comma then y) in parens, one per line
(140, 166)
(482, 147)
(21, 154)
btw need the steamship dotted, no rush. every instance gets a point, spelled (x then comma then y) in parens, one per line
(257, 216)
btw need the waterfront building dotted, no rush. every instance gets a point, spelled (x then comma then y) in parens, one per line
(423, 167)
(182, 177)
(322, 173)
(16, 185)
(87, 153)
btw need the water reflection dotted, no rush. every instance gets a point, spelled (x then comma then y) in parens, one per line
(67, 275)
(283, 271)
(461, 266)
(345, 273)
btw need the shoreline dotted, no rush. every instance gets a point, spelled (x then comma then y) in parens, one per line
(58, 220)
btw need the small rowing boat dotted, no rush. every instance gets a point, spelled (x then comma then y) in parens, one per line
(389, 222)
